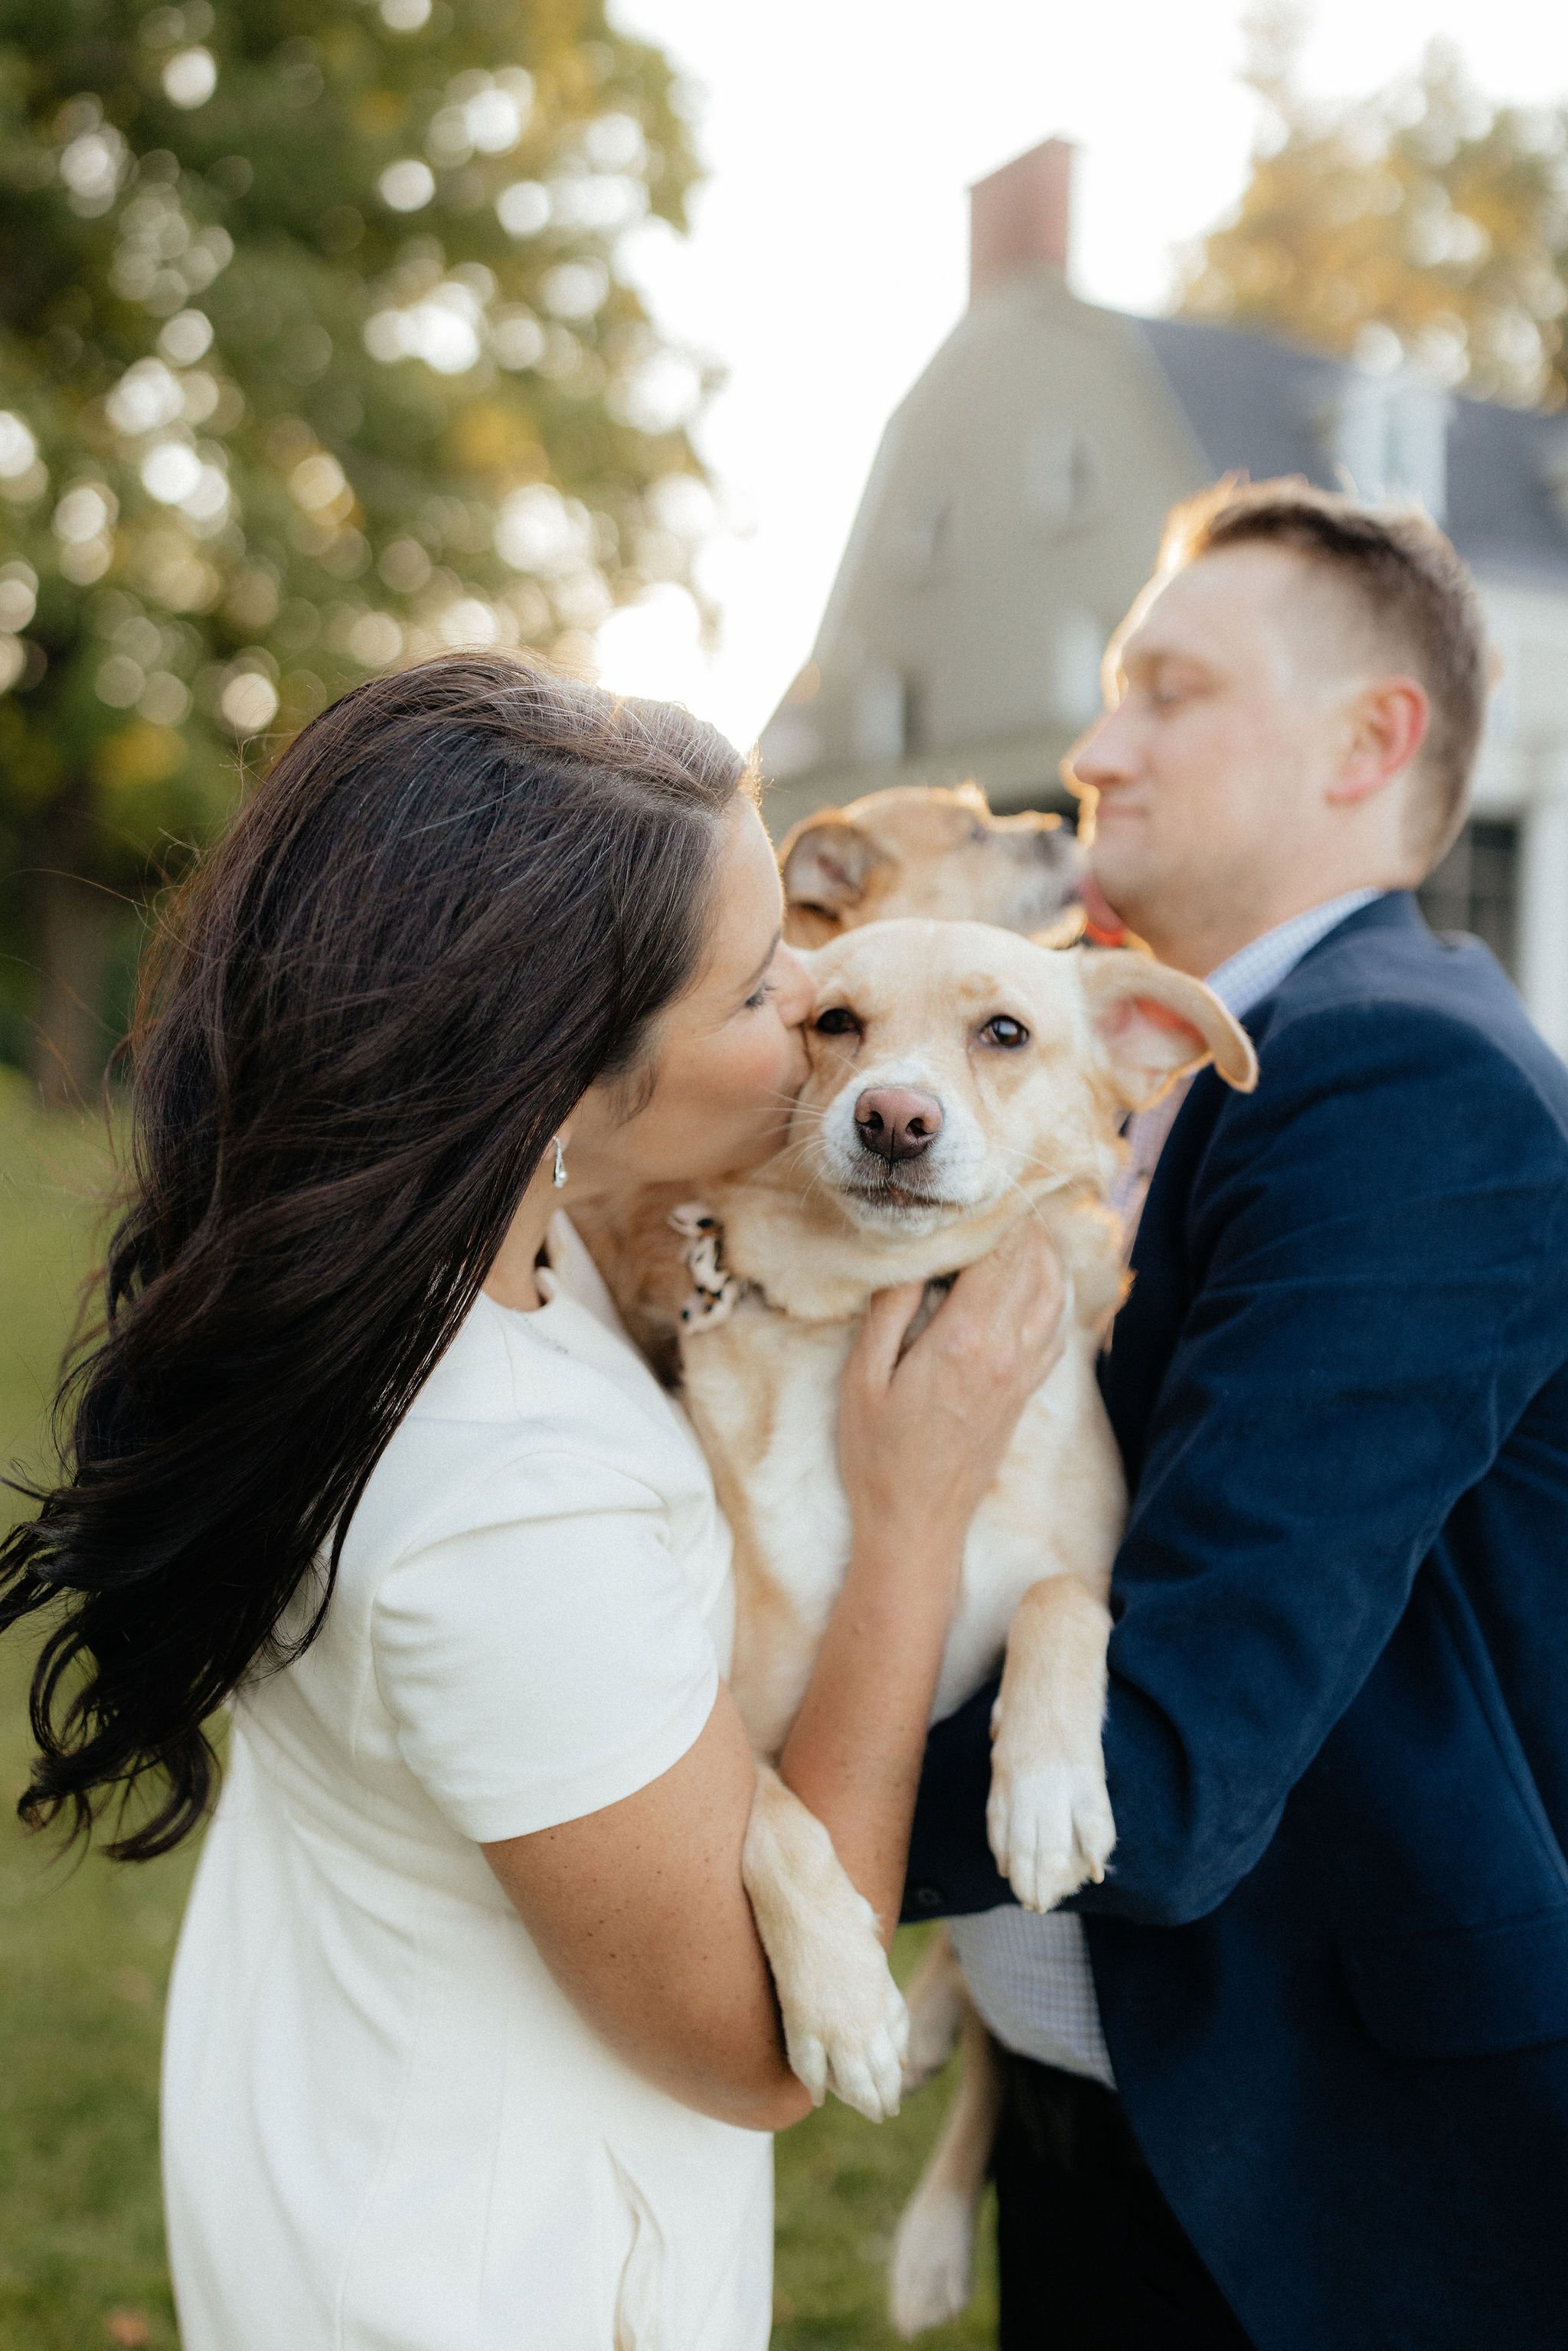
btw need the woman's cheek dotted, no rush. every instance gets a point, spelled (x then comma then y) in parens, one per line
(749, 1071)
(746, 1083)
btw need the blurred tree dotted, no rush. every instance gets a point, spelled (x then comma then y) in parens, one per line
(313, 356)
(1422, 222)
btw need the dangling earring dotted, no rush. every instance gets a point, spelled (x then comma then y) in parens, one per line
(560, 1177)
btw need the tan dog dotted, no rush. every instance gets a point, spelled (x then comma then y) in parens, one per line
(928, 850)
(961, 1078)
(915, 850)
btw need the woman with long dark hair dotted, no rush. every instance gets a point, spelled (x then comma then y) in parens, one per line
(471, 2040)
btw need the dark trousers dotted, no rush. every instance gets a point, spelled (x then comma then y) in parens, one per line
(1093, 2258)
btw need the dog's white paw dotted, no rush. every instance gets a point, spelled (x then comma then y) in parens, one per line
(850, 2036)
(1050, 1829)
(930, 2273)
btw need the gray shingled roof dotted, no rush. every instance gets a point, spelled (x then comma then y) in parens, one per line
(1260, 406)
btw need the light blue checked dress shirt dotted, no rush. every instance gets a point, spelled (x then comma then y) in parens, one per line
(1029, 1976)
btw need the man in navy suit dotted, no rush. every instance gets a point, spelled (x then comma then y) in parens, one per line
(1296, 2075)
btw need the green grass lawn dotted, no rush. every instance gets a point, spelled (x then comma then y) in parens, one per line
(84, 1951)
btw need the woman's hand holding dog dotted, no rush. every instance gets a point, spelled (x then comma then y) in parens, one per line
(921, 1433)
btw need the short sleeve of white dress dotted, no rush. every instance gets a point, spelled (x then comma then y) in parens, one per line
(550, 1659)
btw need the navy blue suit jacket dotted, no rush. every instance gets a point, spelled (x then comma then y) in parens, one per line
(1331, 1956)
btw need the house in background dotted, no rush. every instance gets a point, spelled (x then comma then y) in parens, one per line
(1014, 509)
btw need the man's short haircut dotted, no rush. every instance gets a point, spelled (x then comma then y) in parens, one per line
(1418, 598)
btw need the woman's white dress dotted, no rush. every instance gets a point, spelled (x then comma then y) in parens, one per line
(386, 2130)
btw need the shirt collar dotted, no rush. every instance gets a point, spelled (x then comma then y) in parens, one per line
(1254, 971)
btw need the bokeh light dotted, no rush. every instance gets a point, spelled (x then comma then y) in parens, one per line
(407, 185)
(190, 78)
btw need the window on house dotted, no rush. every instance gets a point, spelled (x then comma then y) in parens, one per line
(1476, 889)
(887, 723)
(1059, 471)
(916, 737)
(1389, 438)
(927, 541)
(1074, 668)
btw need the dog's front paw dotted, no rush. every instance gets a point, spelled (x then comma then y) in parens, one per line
(930, 2274)
(850, 2032)
(845, 2025)
(1050, 1828)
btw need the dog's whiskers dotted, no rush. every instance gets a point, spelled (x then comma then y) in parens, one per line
(1030, 1204)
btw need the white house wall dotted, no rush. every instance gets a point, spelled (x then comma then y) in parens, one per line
(1523, 775)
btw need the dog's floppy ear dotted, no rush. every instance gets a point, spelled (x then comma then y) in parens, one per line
(827, 862)
(1155, 1024)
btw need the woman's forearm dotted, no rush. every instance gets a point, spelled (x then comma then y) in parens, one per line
(639, 1912)
(854, 1755)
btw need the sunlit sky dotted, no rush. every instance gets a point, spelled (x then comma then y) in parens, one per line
(829, 252)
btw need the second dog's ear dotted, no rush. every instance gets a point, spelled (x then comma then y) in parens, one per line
(827, 862)
(1155, 1024)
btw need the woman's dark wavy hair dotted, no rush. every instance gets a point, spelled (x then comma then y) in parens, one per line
(462, 893)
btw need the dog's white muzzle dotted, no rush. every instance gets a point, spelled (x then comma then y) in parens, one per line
(881, 1180)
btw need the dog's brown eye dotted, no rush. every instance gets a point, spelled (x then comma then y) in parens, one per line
(1006, 1032)
(838, 1020)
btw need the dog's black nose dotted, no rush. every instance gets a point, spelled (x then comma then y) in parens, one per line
(897, 1123)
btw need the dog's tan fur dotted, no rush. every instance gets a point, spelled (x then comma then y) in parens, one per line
(1029, 1130)
(931, 850)
(915, 850)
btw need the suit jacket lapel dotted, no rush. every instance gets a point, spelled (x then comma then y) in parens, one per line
(1150, 1324)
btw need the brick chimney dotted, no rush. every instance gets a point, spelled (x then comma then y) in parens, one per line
(1020, 217)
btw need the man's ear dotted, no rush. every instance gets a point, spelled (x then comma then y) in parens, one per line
(827, 862)
(1386, 725)
(1155, 1024)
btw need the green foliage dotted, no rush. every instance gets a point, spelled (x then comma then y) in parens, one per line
(314, 357)
(1420, 222)
(84, 1950)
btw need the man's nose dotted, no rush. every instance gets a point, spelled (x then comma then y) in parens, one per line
(897, 1123)
(1098, 759)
